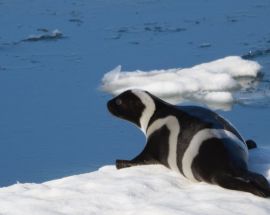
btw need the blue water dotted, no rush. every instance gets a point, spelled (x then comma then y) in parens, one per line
(53, 118)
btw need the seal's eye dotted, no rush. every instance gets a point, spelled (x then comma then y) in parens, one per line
(118, 101)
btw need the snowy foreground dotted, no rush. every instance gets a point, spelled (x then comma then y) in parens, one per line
(212, 83)
(138, 190)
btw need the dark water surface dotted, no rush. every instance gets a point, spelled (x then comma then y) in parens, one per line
(53, 118)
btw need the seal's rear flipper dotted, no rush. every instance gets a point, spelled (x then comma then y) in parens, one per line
(251, 144)
(258, 180)
(250, 182)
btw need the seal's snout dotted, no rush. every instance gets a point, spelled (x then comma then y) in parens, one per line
(110, 106)
(113, 108)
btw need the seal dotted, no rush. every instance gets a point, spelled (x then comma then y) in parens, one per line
(194, 141)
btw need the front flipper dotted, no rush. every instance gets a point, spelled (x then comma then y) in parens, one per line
(144, 158)
(155, 151)
(120, 164)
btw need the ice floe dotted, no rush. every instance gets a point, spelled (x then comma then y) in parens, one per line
(212, 83)
(147, 190)
(54, 35)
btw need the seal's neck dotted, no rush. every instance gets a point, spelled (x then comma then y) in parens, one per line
(148, 111)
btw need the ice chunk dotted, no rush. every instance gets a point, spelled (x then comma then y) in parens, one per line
(209, 83)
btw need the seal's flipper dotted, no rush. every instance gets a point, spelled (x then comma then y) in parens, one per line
(142, 159)
(258, 180)
(251, 144)
(250, 182)
(120, 164)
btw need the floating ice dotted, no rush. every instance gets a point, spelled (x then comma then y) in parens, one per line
(55, 34)
(256, 53)
(147, 190)
(212, 83)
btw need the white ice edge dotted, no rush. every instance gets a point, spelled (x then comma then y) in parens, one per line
(138, 190)
(53, 34)
(209, 83)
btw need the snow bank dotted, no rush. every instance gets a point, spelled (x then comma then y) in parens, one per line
(138, 190)
(211, 83)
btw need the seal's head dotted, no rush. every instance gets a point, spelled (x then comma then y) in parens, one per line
(136, 106)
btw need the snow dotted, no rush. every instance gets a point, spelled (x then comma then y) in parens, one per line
(212, 83)
(152, 189)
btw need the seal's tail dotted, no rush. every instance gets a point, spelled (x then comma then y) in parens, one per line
(251, 144)
(248, 182)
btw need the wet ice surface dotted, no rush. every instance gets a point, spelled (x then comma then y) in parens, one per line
(53, 118)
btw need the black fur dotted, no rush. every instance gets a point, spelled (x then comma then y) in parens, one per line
(224, 158)
(219, 161)
(248, 182)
